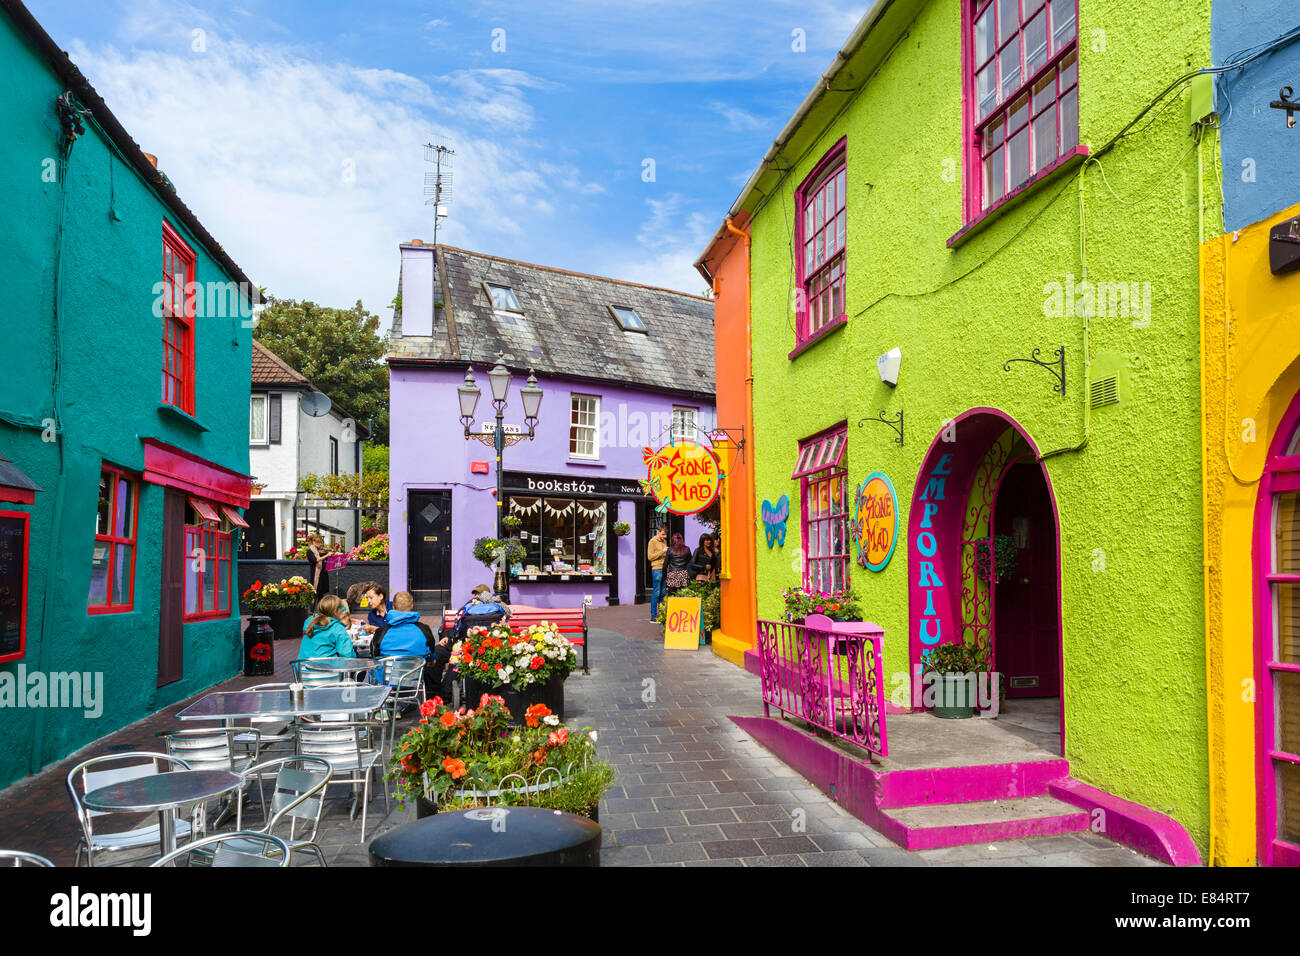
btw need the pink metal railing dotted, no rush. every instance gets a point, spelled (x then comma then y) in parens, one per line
(832, 679)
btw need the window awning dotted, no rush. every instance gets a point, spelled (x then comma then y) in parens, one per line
(205, 510)
(175, 468)
(234, 517)
(823, 451)
(14, 485)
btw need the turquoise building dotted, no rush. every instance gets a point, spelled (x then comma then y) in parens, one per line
(124, 409)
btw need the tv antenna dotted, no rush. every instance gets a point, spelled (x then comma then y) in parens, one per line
(437, 184)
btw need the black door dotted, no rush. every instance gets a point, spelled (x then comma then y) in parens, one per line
(648, 521)
(259, 539)
(429, 547)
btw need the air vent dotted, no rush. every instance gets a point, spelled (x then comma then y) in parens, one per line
(1105, 391)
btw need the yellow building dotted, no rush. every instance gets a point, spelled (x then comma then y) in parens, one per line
(1250, 380)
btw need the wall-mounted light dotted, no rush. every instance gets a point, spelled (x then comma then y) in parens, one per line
(888, 365)
(1285, 102)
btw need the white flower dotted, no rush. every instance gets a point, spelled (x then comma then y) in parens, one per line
(592, 735)
(551, 719)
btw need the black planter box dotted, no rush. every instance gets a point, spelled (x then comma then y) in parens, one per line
(517, 702)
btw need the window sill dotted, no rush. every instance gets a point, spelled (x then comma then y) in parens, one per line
(103, 609)
(586, 462)
(559, 576)
(184, 418)
(206, 616)
(824, 332)
(1071, 160)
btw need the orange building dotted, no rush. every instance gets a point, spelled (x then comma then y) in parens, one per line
(725, 265)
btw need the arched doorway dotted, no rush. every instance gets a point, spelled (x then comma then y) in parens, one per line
(1277, 647)
(984, 562)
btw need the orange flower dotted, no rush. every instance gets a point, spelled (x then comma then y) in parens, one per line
(534, 714)
(539, 756)
(448, 719)
(428, 707)
(454, 767)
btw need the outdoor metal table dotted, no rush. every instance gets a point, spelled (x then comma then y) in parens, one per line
(491, 836)
(224, 705)
(163, 792)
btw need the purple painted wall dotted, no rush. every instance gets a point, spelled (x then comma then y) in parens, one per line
(429, 451)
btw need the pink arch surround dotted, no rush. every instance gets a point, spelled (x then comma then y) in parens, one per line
(934, 534)
(1281, 474)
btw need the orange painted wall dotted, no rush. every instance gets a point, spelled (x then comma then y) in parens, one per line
(727, 261)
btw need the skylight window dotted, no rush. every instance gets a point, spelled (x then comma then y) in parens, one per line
(503, 298)
(627, 319)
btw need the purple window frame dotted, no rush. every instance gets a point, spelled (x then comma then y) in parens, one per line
(1026, 106)
(828, 180)
(829, 447)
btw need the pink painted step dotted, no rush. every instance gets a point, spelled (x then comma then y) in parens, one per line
(932, 826)
(948, 785)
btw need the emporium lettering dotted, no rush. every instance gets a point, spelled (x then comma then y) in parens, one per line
(931, 627)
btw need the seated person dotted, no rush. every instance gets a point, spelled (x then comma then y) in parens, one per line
(326, 634)
(481, 609)
(402, 634)
(376, 598)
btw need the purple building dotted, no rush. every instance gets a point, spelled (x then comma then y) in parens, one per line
(621, 366)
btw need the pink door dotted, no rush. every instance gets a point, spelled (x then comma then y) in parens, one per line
(1277, 630)
(1025, 611)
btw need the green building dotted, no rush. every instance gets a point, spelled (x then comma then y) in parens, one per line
(1008, 195)
(123, 420)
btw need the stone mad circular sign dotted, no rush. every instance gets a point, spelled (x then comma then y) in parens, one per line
(875, 522)
(684, 476)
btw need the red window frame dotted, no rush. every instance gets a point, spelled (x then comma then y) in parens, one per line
(1031, 94)
(22, 619)
(111, 541)
(821, 244)
(178, 321)
(824, 503)
(205, 601)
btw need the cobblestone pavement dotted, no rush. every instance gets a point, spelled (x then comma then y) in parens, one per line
(693, 789)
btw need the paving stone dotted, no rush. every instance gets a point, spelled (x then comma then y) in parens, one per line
(840, 841)
(714, 800)
(677, 852)
(711, 862)
(692, 787)
(762, 812)
(895, 856)
(725, 849)
(623, 855)
(717, 815)
(660, 818)
(638, 837)
(834, 858)
(706, 833)
(689, 801)
(749, 831)
(776, 846)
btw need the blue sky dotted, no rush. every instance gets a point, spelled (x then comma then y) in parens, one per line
(294, 128)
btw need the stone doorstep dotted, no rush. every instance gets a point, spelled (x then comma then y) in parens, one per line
(981, 821)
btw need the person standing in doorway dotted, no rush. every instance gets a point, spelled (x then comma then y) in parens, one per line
(655, 552)
(320, 578)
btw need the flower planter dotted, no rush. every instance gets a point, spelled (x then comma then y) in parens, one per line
(425, 807)
(287, 622)
(517, 702)
(955, 696)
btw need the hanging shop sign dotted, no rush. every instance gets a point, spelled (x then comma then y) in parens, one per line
(774, 519)
(875, 523)
(684, 476)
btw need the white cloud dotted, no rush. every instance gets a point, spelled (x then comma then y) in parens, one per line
(737, 119)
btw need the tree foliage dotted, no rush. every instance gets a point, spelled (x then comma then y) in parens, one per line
(339, 350)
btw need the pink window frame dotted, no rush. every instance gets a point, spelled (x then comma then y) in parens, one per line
(1281, 474)
(972, 205)
(829, 165)
(835, 469)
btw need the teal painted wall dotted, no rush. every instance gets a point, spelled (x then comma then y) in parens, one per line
(109, 390)
(1133, 632)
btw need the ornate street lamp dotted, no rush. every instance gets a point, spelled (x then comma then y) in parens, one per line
(531, 395)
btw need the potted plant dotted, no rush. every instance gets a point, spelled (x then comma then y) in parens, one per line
(455, 760)
(287, 604)
(955, 668)
(512, 522)
(526, 667)
(710, 594)
(487, 550)
(622, 529)
(839, 605)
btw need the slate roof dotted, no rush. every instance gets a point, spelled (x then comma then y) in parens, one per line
(566, 327)
(270, 369)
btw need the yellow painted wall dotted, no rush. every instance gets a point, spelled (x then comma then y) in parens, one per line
(1250, 371)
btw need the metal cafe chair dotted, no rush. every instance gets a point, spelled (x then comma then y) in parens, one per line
(99, 772)
(353, 754)
(304, 673)
(21, 858)
(214, 748)
(247, 848)
(405, 675)
(298, 797)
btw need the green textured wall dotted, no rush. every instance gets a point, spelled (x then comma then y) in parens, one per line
(1133, 639)
(110, 383)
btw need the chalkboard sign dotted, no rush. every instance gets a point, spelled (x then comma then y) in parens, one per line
(13, 584)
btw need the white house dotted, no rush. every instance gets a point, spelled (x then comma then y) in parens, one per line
(286, 442)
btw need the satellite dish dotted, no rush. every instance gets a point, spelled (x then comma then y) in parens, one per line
(315, 404)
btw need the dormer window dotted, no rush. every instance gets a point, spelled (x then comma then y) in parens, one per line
(627, 318)
(503, 298)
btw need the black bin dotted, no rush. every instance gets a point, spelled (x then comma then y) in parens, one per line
(491, 836)
(259, 648)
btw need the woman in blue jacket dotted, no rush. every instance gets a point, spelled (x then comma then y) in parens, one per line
(326, 634)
